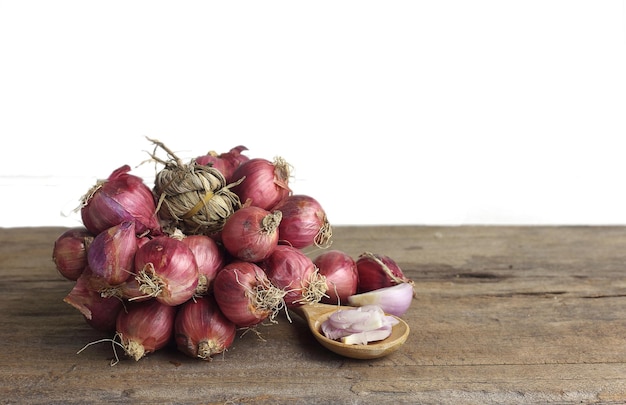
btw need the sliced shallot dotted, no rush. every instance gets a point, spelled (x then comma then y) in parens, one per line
(359, 325)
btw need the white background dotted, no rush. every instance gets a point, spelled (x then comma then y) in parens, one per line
(390, 112)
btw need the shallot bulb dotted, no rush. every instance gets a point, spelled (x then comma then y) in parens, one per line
(201, 330)
(111, 255)
(245, 295)
(226, 162)
(210, 258)
(251, 233)
(166, 269)
(121, 197)
(292, 271)
(99, 311)
(70, 252)
(304, 222)
(378, 271)
(264, 183)
(340, 271)
(145, 327)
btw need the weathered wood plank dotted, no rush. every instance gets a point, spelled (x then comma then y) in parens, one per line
(502, 315)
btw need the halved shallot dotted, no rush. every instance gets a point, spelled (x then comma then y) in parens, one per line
(394, 300)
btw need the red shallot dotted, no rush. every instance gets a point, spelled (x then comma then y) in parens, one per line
(111, 255)
(145, 327)
(166, 269)
(378, 271)
(226, 162)
(99, 311)
(292, 271)
(210, 258)
(304, 222)
(201, 330)
(245, 295)
(264, 183)
(339, 269)
(251, 233)
(121, 197)
(70, 252)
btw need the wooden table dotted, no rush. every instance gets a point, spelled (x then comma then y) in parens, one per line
(502, 315)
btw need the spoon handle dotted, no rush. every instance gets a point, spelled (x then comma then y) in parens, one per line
(315, 310)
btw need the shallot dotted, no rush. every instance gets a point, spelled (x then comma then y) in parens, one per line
(291, 270)
(166, 269)
(111, 255)
(226, 162)
(245, 295)
(340, 272)
(70, 252)
(100, 311)
(378, 271)
(201, 330)
(210, 258)
(263, 183)
(145, 327)
(121, 197)
(304, 222)
(251, 233)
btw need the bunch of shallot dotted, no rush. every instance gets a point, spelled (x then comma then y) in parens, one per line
(218, 243)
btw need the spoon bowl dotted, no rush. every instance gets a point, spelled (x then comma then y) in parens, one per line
(316, 314)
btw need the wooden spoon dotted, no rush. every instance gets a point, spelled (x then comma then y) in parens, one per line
(316, 314)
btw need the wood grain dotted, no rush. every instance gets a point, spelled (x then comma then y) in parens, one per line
(502, 315)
